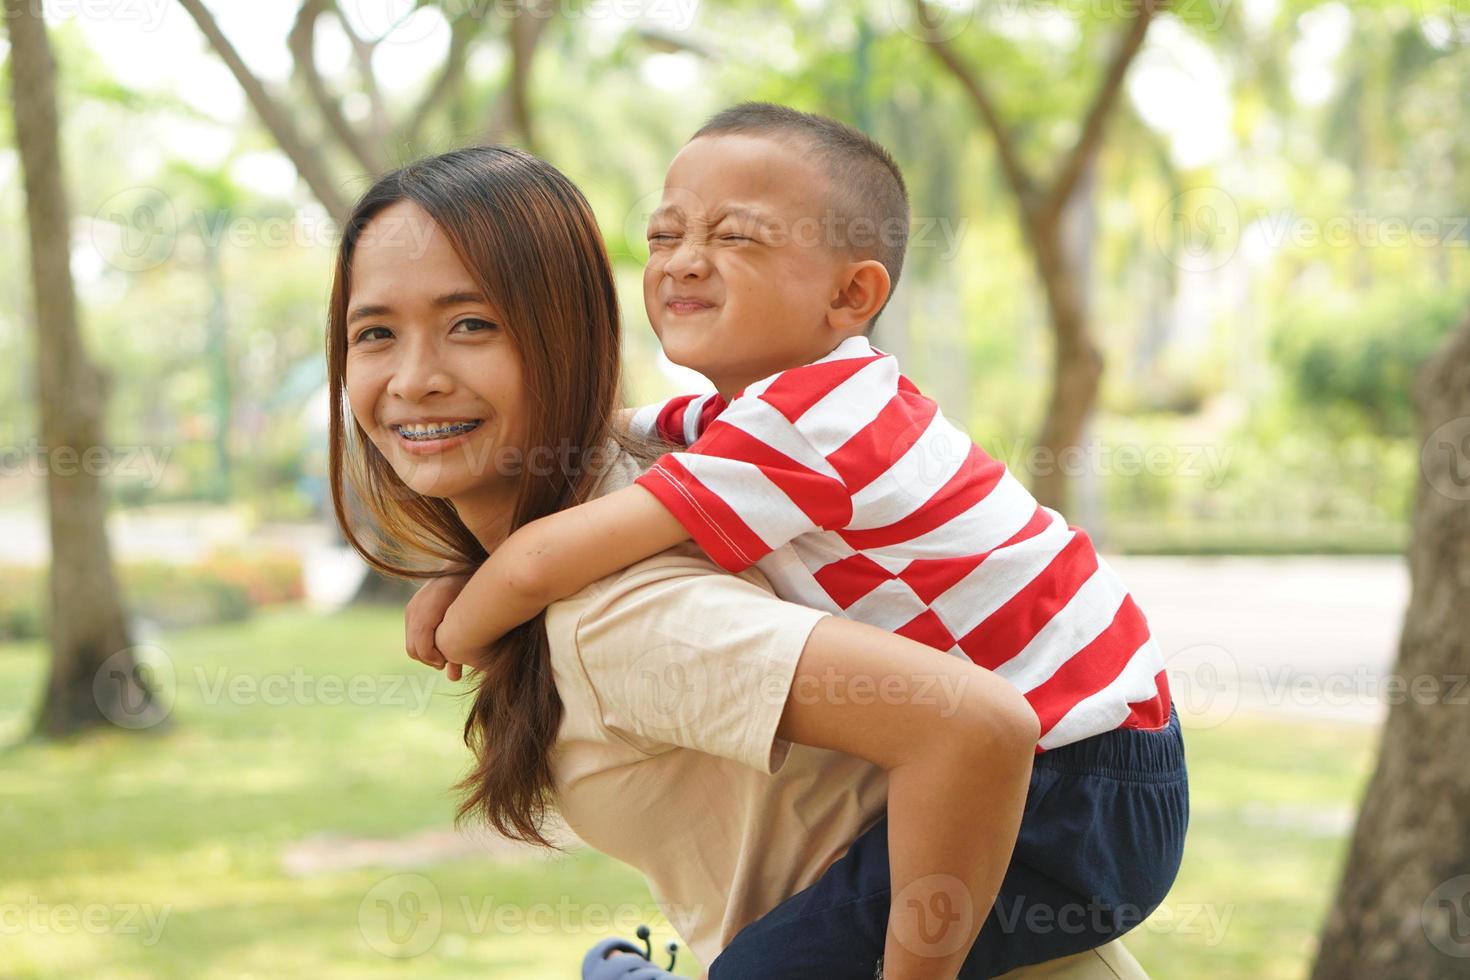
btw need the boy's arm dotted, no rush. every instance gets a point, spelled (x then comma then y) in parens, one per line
(550, 559)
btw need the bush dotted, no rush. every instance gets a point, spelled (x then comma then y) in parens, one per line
(1350, 366)
(225, 587)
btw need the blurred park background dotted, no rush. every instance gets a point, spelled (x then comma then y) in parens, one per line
(1182, 268)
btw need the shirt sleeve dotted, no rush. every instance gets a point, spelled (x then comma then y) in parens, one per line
(680, 420)
(678, 653)
(749, 484)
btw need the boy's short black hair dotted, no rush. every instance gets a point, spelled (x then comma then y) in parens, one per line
(868, 196)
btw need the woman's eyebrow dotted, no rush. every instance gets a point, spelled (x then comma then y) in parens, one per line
(363, 312)
(448, 299)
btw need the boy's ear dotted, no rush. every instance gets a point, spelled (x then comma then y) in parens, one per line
(860, 295)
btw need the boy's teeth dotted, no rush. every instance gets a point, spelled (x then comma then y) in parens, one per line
(437, 430)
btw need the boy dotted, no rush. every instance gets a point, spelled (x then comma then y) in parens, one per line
(776, 245)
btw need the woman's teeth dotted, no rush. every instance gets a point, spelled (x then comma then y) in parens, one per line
(439, 430)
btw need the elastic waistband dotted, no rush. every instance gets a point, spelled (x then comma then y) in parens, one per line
(1138, 754)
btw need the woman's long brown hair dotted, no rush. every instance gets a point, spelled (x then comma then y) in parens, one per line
(529, 240)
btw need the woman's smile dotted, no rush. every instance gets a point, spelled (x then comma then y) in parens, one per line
(434, 436)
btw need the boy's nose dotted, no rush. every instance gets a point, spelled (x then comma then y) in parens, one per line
(688, 260)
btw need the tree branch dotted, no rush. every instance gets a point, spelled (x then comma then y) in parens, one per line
(301, 41)
(362, 53)
(527, 26)
(308, 161)
(461, 32)
(1103, 102)
(1005, 142)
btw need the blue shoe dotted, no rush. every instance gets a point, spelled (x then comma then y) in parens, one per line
(597, 965)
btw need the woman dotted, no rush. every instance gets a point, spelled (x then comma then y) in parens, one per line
(728, 744)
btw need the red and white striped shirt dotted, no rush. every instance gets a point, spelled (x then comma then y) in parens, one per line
(895, 518)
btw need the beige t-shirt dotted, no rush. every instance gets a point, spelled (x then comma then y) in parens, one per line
(674, 676)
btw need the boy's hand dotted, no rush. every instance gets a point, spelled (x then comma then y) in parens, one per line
(459, 652)
(422, 618)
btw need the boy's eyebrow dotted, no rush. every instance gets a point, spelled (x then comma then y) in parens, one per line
(448, 299)
(741, 211)
(733, 211)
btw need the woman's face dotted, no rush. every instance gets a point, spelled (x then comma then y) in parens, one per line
(431, 375)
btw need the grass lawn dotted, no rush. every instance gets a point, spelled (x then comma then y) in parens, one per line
(160, 855)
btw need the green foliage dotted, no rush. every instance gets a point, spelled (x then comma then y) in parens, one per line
(1349, 365)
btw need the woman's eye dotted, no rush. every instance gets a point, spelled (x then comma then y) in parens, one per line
(477, 324)
(367, 333)
(735, 238)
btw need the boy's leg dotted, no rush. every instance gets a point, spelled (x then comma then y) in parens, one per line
(1110, 961)
(1099, 846)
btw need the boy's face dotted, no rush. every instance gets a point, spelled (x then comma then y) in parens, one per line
(742, 268)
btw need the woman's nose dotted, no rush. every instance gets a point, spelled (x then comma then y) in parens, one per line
(419, 373)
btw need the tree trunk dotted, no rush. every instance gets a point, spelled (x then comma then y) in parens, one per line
(1043, 208)
(88, 625)
(1402, 910)
(1076, 369)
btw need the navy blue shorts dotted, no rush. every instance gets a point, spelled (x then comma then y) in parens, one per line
(1100, 843)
